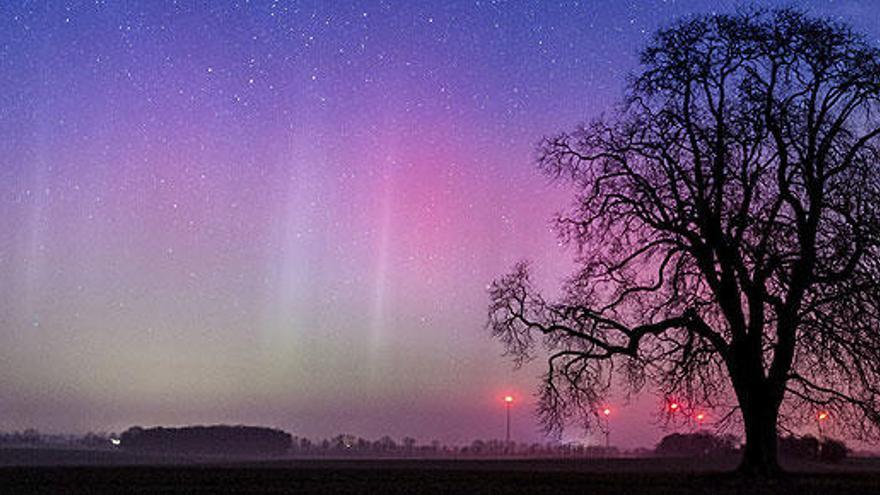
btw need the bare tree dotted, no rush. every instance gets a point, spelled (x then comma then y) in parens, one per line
(727, 231)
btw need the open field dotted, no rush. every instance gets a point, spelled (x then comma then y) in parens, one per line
(611, 476)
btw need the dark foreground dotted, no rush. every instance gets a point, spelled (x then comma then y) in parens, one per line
(613, 476)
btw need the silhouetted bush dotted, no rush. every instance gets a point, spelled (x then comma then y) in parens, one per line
(223, 440)
(26, 437)
(93, 440)
(833, 451)
(700, 444)
(808, 448)
(803, 448)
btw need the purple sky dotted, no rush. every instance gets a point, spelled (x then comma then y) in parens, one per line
(287, 213)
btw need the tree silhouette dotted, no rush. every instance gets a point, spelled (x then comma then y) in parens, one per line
(726, 228)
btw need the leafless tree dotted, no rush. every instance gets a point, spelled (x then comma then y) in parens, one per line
(727, 231)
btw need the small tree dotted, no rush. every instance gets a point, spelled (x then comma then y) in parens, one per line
(727, 232)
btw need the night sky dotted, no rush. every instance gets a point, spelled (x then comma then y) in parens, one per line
(287, 213)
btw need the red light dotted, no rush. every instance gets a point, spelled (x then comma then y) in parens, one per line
(606, 411)
(823, 415)
(701, 417)
(674, 406)
(508, 399)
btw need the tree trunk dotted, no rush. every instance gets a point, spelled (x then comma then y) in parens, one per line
(760, 457)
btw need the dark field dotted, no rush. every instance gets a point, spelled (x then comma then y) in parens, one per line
(613, 476)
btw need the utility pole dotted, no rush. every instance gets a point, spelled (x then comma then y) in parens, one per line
(607, 413)
(508, 401)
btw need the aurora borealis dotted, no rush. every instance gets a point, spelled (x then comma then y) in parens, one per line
(287, 213)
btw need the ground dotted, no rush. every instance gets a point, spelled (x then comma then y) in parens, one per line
(612, 476)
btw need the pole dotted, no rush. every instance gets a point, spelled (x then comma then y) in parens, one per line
(507, 442)
(607, 413)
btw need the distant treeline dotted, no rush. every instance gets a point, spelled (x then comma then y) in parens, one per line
(346, 445)
(249, 440)
(207, 440)
(706, 444)
(32, 437)
(244, 440)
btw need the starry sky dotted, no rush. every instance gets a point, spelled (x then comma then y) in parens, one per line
(287, 213)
